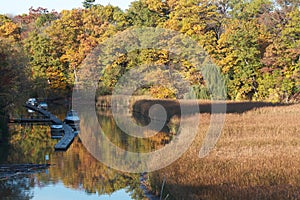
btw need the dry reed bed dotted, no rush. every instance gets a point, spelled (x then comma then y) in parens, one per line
(256, 157)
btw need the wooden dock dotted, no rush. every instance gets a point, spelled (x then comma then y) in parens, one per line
(66, 140)
(69, 134)
(44, 112)
(30, 119)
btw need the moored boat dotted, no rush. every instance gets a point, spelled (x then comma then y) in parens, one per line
(33, 102)
(43, 105)
(73, 120)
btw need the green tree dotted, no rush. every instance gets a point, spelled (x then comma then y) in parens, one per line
(281, 59)
(141, 14)
(240, 51)
(47, 70)
(12, 62)
(249, 9)
(77, 32)
(88, 3)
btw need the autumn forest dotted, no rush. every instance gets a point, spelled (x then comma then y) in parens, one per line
(255, 44)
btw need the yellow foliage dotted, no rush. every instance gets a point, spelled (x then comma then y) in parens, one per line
(10, 30)
(162, 92)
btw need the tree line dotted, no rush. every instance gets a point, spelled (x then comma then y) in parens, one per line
(254, 43)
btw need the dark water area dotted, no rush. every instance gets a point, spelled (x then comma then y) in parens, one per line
(73, 174)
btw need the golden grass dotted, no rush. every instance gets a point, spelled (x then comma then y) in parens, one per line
(256, 157)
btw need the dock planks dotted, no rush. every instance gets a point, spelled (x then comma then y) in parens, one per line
(64, 143)
(29, 120)
(66, 140)
(46, 113)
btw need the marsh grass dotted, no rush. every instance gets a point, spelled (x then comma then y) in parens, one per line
(256, 157)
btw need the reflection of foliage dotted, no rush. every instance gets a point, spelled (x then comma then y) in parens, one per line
(130, 143)
(79, 169)
(16, 189)
(76, 168)
(30, 144)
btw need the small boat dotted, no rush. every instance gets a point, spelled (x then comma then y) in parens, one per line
(33, 102)
(57, 131)
(43, 105)
(72, 119)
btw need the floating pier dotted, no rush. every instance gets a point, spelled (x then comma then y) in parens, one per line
(48, 117)
(45, 113)
(66, 140)
(30, 119)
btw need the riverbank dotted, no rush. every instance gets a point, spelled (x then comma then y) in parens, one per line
(142, 104)
(256, 157)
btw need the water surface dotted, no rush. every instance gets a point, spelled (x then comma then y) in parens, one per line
(74, 174)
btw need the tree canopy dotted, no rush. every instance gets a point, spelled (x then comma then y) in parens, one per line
(255, 44)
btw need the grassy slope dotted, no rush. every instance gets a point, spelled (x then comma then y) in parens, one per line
(257, 157)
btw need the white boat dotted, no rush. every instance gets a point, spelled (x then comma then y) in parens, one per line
(43, 105)
(72, 119)
(33, 102)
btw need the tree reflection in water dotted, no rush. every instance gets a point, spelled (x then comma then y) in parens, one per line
(76, 168)
(109, 144)
(157, 139)
(16, 188)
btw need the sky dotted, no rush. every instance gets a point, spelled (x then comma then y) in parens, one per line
(60, 191)
(16, 7)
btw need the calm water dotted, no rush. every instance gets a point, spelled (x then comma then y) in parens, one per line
(74, 174)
